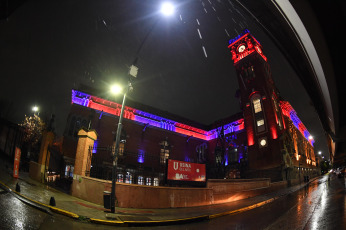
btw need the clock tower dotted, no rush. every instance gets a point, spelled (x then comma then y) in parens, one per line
(259, 101)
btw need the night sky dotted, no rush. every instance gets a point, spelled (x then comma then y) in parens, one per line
(49, 47)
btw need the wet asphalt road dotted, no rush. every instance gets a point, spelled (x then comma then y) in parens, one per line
(320, 205)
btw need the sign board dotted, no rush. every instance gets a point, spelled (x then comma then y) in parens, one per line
(185, 171)
(16, 162)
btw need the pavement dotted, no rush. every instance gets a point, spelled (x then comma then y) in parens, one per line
(39, 196)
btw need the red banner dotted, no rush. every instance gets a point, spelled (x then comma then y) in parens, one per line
(16, 162)
(186, 171)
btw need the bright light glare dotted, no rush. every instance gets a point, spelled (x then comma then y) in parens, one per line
(167, 8)
(319, 152)
(311, 137)
(116, 89)
(35, 108)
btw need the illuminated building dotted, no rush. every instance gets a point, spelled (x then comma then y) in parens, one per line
(275, 134)
(148, 139)
(266, 140)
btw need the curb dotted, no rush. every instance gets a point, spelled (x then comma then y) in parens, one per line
(166, 222)
(54, 209)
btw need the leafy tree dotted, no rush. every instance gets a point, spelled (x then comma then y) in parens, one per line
(33, 127)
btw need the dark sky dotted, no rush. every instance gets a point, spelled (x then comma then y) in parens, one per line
(49, 47)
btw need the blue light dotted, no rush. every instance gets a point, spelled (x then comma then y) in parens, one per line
(239, 36)
(140, 156)
(95, 147)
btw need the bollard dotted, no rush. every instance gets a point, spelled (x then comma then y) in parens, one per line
(17, 187)
(52, 201)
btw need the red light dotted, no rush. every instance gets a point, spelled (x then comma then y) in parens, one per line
(274, 133)
(250, 137)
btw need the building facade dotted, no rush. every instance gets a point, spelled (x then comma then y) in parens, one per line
(266, 139)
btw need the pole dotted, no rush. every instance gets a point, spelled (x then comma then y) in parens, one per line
(116, 150)
(299, 168)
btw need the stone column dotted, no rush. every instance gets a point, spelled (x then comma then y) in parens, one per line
(37, 171)
(86, 139)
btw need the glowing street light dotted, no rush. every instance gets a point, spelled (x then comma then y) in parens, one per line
(319, 152)
(167, 9)
(311, 137)
(35, 109)
(116, 89)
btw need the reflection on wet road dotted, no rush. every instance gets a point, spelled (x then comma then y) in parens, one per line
(14, 214)
(320, 205)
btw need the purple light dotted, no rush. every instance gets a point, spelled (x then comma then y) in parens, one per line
(140, 156)
(226, 159)
(95, 147)
(105, 106)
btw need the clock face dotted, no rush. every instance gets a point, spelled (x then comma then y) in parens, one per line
(241, 48)
(258, 49)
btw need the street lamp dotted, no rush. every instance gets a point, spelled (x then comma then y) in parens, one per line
(116, 89)
(35, 109)
(167, 9)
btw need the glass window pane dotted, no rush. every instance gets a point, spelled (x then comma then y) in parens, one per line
(260, 122)
(257, 105)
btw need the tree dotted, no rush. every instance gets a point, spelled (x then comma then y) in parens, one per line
(33, 127)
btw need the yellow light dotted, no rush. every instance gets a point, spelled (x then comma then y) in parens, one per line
(35, 108)
(116, 89)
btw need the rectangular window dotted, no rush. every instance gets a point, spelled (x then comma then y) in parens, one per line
(260, 122)
(148, 181)
(121, 148)
(257, 105)
(156, 181)
(128, 178)
(164, 155)
(120, 178)
(140, 180)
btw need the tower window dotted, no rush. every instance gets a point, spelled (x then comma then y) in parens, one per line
(260, 122)
(258, 113)
(257, 105)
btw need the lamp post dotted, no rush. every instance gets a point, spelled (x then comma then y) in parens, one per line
(167, 9)
(299, 167)
(117, 89)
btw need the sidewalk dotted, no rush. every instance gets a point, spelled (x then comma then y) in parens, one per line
(67, 205)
